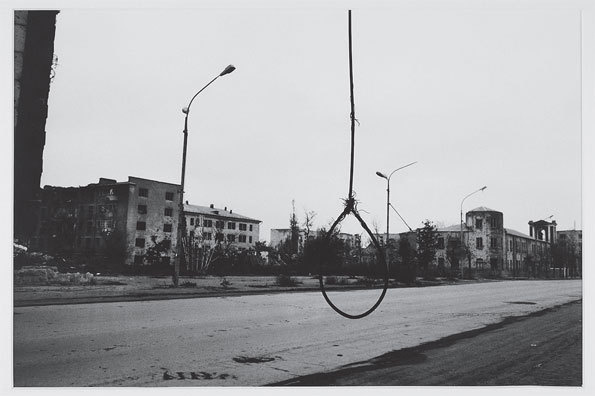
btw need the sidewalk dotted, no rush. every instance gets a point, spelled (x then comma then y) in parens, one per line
(139, 288)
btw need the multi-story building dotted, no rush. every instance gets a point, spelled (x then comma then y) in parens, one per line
(87, 220)
(210, 225)
(491, 247)
(133, 216)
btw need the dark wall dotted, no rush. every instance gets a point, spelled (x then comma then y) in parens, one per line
(32, 84)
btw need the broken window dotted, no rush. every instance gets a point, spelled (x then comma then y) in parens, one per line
(142, 209)
(479, 223)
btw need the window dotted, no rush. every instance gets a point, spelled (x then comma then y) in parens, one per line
(494, 263)
(479, 223)
(169, 196)
(138, 259)
(440, 243)
(140, 242)
(167, 243)
(250, 227)
(169, 212)
(197, 222)
(580, 236)
(479, 263)
(141, 225)
(219, 237)
(219, 224)
(231, 225)
(479, 243)
(207, 223)
(105, 225)
(89, 227)
(167, 228)
(165, 260)
(493, 243)
(562, 236)
(494, 222)
(249, 239)
(207, 236)
(142, 209)
(441, 262)
(90, 211)
(231, 238)
(143, 192)
(192, 221)
(242, 238)
(243, 227)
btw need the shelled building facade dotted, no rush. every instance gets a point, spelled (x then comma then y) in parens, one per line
(92, 219)
(132, 217)
(492, 247)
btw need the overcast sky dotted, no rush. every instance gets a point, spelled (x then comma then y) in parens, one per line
(478, 96)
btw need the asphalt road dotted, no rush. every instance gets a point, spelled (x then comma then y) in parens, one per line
(253, 340)
(544, 348)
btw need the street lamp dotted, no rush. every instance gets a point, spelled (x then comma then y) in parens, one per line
(181, 217)
(388, 205)
(462, 243)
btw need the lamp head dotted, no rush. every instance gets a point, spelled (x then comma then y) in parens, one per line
(227, 70)
(483, 188)
(185, 110)
(382, 175)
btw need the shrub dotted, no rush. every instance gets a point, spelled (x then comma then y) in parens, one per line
(285, 280)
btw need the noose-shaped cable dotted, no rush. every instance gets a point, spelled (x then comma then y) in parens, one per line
(350, 207)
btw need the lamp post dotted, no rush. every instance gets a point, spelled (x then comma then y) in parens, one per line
(181, 217)
(388, 204)
(462, 243)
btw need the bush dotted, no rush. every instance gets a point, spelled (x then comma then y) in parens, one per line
(335, 280)
(285, 280)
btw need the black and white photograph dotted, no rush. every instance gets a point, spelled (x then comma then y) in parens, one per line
(298, 195)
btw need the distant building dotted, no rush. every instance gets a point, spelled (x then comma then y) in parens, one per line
(280, 235)
(491, 247)
(211, 225)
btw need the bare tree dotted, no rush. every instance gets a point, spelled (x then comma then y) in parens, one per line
(308, 223)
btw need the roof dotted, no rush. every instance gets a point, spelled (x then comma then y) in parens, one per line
(217, 212)
(516, 233)
(454, 227)
(483, 209)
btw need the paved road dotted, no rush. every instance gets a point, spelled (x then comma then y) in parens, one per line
(252, 340)
(544, 348)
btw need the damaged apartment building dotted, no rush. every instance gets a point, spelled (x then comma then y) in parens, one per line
(493, 248)
(130, 217)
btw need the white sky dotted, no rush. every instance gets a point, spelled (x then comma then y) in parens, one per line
(477, 95)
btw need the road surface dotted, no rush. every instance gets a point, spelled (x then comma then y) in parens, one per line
(253, 340)
(544, 348)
